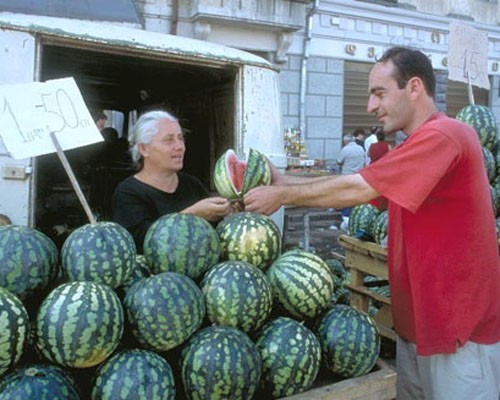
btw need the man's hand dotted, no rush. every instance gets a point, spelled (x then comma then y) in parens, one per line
(263, 199)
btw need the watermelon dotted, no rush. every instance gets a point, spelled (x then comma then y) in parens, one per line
(140, 270)
(380, 228)
(134, 374)
(495, 199)
(164, 310)
(237, 294)
(38, 382)
(302, 283)
(234, 177)
(362, 220)
(220, 363)
(489, 164)
(183, 243)
(291, 357)
(349, 340)
(482, 119)
(79, 324)
(103, 252)
(14, 330)
(29, 261)
(250, 237)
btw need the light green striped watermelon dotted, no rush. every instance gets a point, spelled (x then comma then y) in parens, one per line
(183, 243)
(250, 237)
(380, 228)
(237, 294)
(29, 261)
(482, 119)
(233, 177)
(140, 270)
(134, 374)
(14, 328)
(103, 252)
(79, 324)
(302, 283)
(38, 382)
(291, 357)
(220, 363)
(349, 340)
(164, 310)
(362, 221)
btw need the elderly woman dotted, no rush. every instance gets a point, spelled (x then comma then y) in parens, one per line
(159, 187)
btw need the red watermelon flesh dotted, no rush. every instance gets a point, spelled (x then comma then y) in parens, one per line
(236, 169)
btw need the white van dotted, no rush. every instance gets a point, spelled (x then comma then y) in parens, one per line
(226, 98)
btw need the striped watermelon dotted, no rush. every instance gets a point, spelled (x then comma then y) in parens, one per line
(164, 310)
(482, 119)
(489, 164)
(79, 324)
(183, 243)
(362, 220)
(29, 260)
(220, 363)
(302, 283)
(103, 252)
(134, 374)
(349, 340)
(14, 328)
(250, 237)
(380, 228)
(234, 177)
(38, 382)
(237, 294)
(140, 270)
(291, 357)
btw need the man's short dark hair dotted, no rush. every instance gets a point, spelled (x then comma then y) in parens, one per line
(411, 63)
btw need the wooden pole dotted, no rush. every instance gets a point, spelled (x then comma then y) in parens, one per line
(470, 92)
(72, 178)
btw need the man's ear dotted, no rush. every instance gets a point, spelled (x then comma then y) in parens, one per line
(415, 86)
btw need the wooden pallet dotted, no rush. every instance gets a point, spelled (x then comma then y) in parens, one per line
(380, 384)
(364, 258)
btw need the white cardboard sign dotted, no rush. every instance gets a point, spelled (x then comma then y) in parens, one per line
(468, 55)
(30, 112)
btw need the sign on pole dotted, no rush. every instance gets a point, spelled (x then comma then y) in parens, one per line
(468, 55)
(30, 112)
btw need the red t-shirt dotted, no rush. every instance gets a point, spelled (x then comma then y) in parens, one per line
(377, 150)
(444, 268)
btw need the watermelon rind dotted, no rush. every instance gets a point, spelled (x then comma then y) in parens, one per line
(220, 363)
(291, 357)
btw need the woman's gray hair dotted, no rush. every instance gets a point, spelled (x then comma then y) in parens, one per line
(143, 132)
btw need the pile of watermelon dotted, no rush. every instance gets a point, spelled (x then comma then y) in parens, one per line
(206, 313)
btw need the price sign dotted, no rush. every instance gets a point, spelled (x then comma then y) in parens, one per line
(468, 55)
(30, 112)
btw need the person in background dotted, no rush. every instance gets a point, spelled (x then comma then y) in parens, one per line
(351, 159)
(380, 148)
(400, 137)
(101, 120)
(371, 138)
(359, 137)
(444, 277)
(159, 186)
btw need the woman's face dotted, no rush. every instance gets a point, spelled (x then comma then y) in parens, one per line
(165, 152)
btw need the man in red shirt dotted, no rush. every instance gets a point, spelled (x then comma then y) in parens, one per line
(443, 261)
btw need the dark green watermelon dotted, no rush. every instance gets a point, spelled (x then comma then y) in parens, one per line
(164, 310)
(134, 374)
(349, 340)
(291, 357)
(302, 283)
(380, 228)
(362, 221)
(220, 363)
(79, 324)
(482, 119)
(38, 382)
(237, 294)
(250, 237)
(29, 261)
(103, 252)
(183, 243)
(14, 330)
(140, 270)
(489, 164)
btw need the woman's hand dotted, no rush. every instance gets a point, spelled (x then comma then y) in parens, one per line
(211, 208)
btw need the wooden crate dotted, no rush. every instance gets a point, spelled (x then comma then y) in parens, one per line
(379, 384)
(364, 258)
